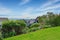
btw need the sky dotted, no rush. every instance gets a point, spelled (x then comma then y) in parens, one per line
(28, 9)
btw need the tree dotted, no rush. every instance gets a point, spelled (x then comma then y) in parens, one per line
(34, 27)
(12, 28)
(20, 25)
(7, 28)
(47, 19)
(1, 38)
(56, 21)
(51, 16)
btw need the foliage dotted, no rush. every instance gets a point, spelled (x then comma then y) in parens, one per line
(25, 30)
(35, 25)
(7, 28)
(49, 19)
(1, 38)
(33, 29)
(56, 21)
(12, 28)
(20, 25)
(16, 27)
(47, 26)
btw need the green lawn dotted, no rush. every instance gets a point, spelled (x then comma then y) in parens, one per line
(44, 34)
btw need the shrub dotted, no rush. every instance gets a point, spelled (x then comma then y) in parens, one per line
(12, 28)
(25, 30)
(47, 26)
(35, 25)
(1, 38)
(33, 29)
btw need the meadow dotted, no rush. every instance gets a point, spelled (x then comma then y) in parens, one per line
(43, 34)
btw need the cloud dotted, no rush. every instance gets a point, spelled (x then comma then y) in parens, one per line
(27, 12)
(4, 10)
(24, 15)
(31, 12)
(24, 2)
(49, 6)
(46, 7)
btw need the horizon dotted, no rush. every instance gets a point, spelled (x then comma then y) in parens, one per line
(28, 9)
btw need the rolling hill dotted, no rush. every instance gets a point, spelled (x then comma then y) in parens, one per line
(44, 34)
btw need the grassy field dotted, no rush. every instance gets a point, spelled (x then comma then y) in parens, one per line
(44, 34)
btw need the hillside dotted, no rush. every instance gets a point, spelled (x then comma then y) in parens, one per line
(44, 34)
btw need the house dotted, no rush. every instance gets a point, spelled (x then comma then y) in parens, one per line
(30, 21)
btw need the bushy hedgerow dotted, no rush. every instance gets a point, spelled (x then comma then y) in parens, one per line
(12, 28)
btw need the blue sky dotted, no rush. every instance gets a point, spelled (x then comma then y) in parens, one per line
(27, 9)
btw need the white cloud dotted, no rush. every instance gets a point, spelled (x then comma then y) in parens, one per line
(46, 7)
(25, 14)
(49, 6)
(4, 10)
(24, 2)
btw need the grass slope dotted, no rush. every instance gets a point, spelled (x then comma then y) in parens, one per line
(44, 34)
